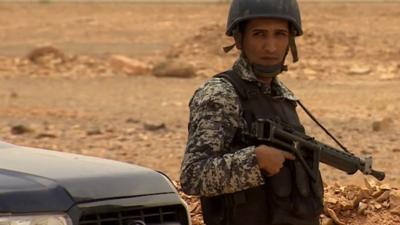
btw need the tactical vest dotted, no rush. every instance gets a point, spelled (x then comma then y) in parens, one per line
(287, 198)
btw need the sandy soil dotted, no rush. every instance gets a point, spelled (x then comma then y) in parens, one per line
(348, 76)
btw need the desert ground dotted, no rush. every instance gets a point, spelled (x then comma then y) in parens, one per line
(77, 98)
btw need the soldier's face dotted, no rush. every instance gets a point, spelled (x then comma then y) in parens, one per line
(265, 41)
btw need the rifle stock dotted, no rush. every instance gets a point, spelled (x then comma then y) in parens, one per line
(287, 138)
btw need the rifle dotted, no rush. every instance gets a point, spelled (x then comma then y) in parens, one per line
(285, 137)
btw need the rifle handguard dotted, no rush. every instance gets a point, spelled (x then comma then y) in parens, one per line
(287, 138)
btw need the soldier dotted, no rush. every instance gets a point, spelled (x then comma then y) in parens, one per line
(241, 182)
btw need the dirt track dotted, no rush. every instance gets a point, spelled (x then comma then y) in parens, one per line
(349, 77)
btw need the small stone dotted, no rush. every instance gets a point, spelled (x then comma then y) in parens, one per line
(122, 138)
(333, 215)
(45, 135)
(382, 125)
(366, 152)
(132, 120)
(93, 131)
(310, 72)
(13, 94)
(388, 76)
(386, 204)
(377, 193)
(128, 65)
(394, 197)
(395, 210)
(174, 68)
(383, 197)
(396, 150)
(130, 131)
(385, 187)
(154, 126)
(370, 184)
(330, 200)
(20, 129)
(327, 221)
(359, 70)
(377, 206)
(361, 208)
(346, 205)
(45, 54)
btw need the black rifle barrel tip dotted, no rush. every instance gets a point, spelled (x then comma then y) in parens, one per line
(378, 175)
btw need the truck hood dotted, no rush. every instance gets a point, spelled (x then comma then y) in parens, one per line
(83, 178)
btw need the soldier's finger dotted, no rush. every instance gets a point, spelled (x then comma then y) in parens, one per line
(288, 155)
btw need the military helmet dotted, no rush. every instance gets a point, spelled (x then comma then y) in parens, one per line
(242, 10)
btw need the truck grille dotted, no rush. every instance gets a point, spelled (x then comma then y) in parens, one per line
(165, 215)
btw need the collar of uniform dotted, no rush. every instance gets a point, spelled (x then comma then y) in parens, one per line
(244, 70)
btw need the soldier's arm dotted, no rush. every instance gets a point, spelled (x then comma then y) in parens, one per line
(209, 167)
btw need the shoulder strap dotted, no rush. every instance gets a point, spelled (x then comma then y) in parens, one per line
(244, 89)
(322, 127)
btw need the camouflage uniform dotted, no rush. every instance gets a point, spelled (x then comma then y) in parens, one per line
(210, 167)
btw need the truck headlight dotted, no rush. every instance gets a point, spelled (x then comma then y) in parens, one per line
(36, 220)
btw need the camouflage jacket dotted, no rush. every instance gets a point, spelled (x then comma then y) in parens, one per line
(210, 167)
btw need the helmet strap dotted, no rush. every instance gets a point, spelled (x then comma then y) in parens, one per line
(293, 48)
(268, 71)
(228, 48)
(238, 41)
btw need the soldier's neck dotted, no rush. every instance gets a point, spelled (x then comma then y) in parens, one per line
(266, 80)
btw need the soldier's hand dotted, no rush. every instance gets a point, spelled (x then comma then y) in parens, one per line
(271, 159)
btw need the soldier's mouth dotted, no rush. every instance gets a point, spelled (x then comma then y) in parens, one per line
(270, 58)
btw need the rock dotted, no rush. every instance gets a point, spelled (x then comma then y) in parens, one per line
(327, 221)
(331, 200)
(132, 120)
(383, 197)
(394, 197)
(359, 70)
(43, 54)
(93, 131)
(174, 68)
(361, 208)
(309, 72)
(346, 204)
(20, 129)
(382, 125)
(154, 126)
(333, 215)
(395, 210)
(387, 76)
(378, 193)
(130, 131)
(128, 65)
(45, 135)
(386, 204)
(122, 138)
(366, 152)
(377, 206)
(370, 184)
(13, 94)
(385, 187)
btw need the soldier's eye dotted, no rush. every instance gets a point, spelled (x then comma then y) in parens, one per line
(282, 33)
(258, 33)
